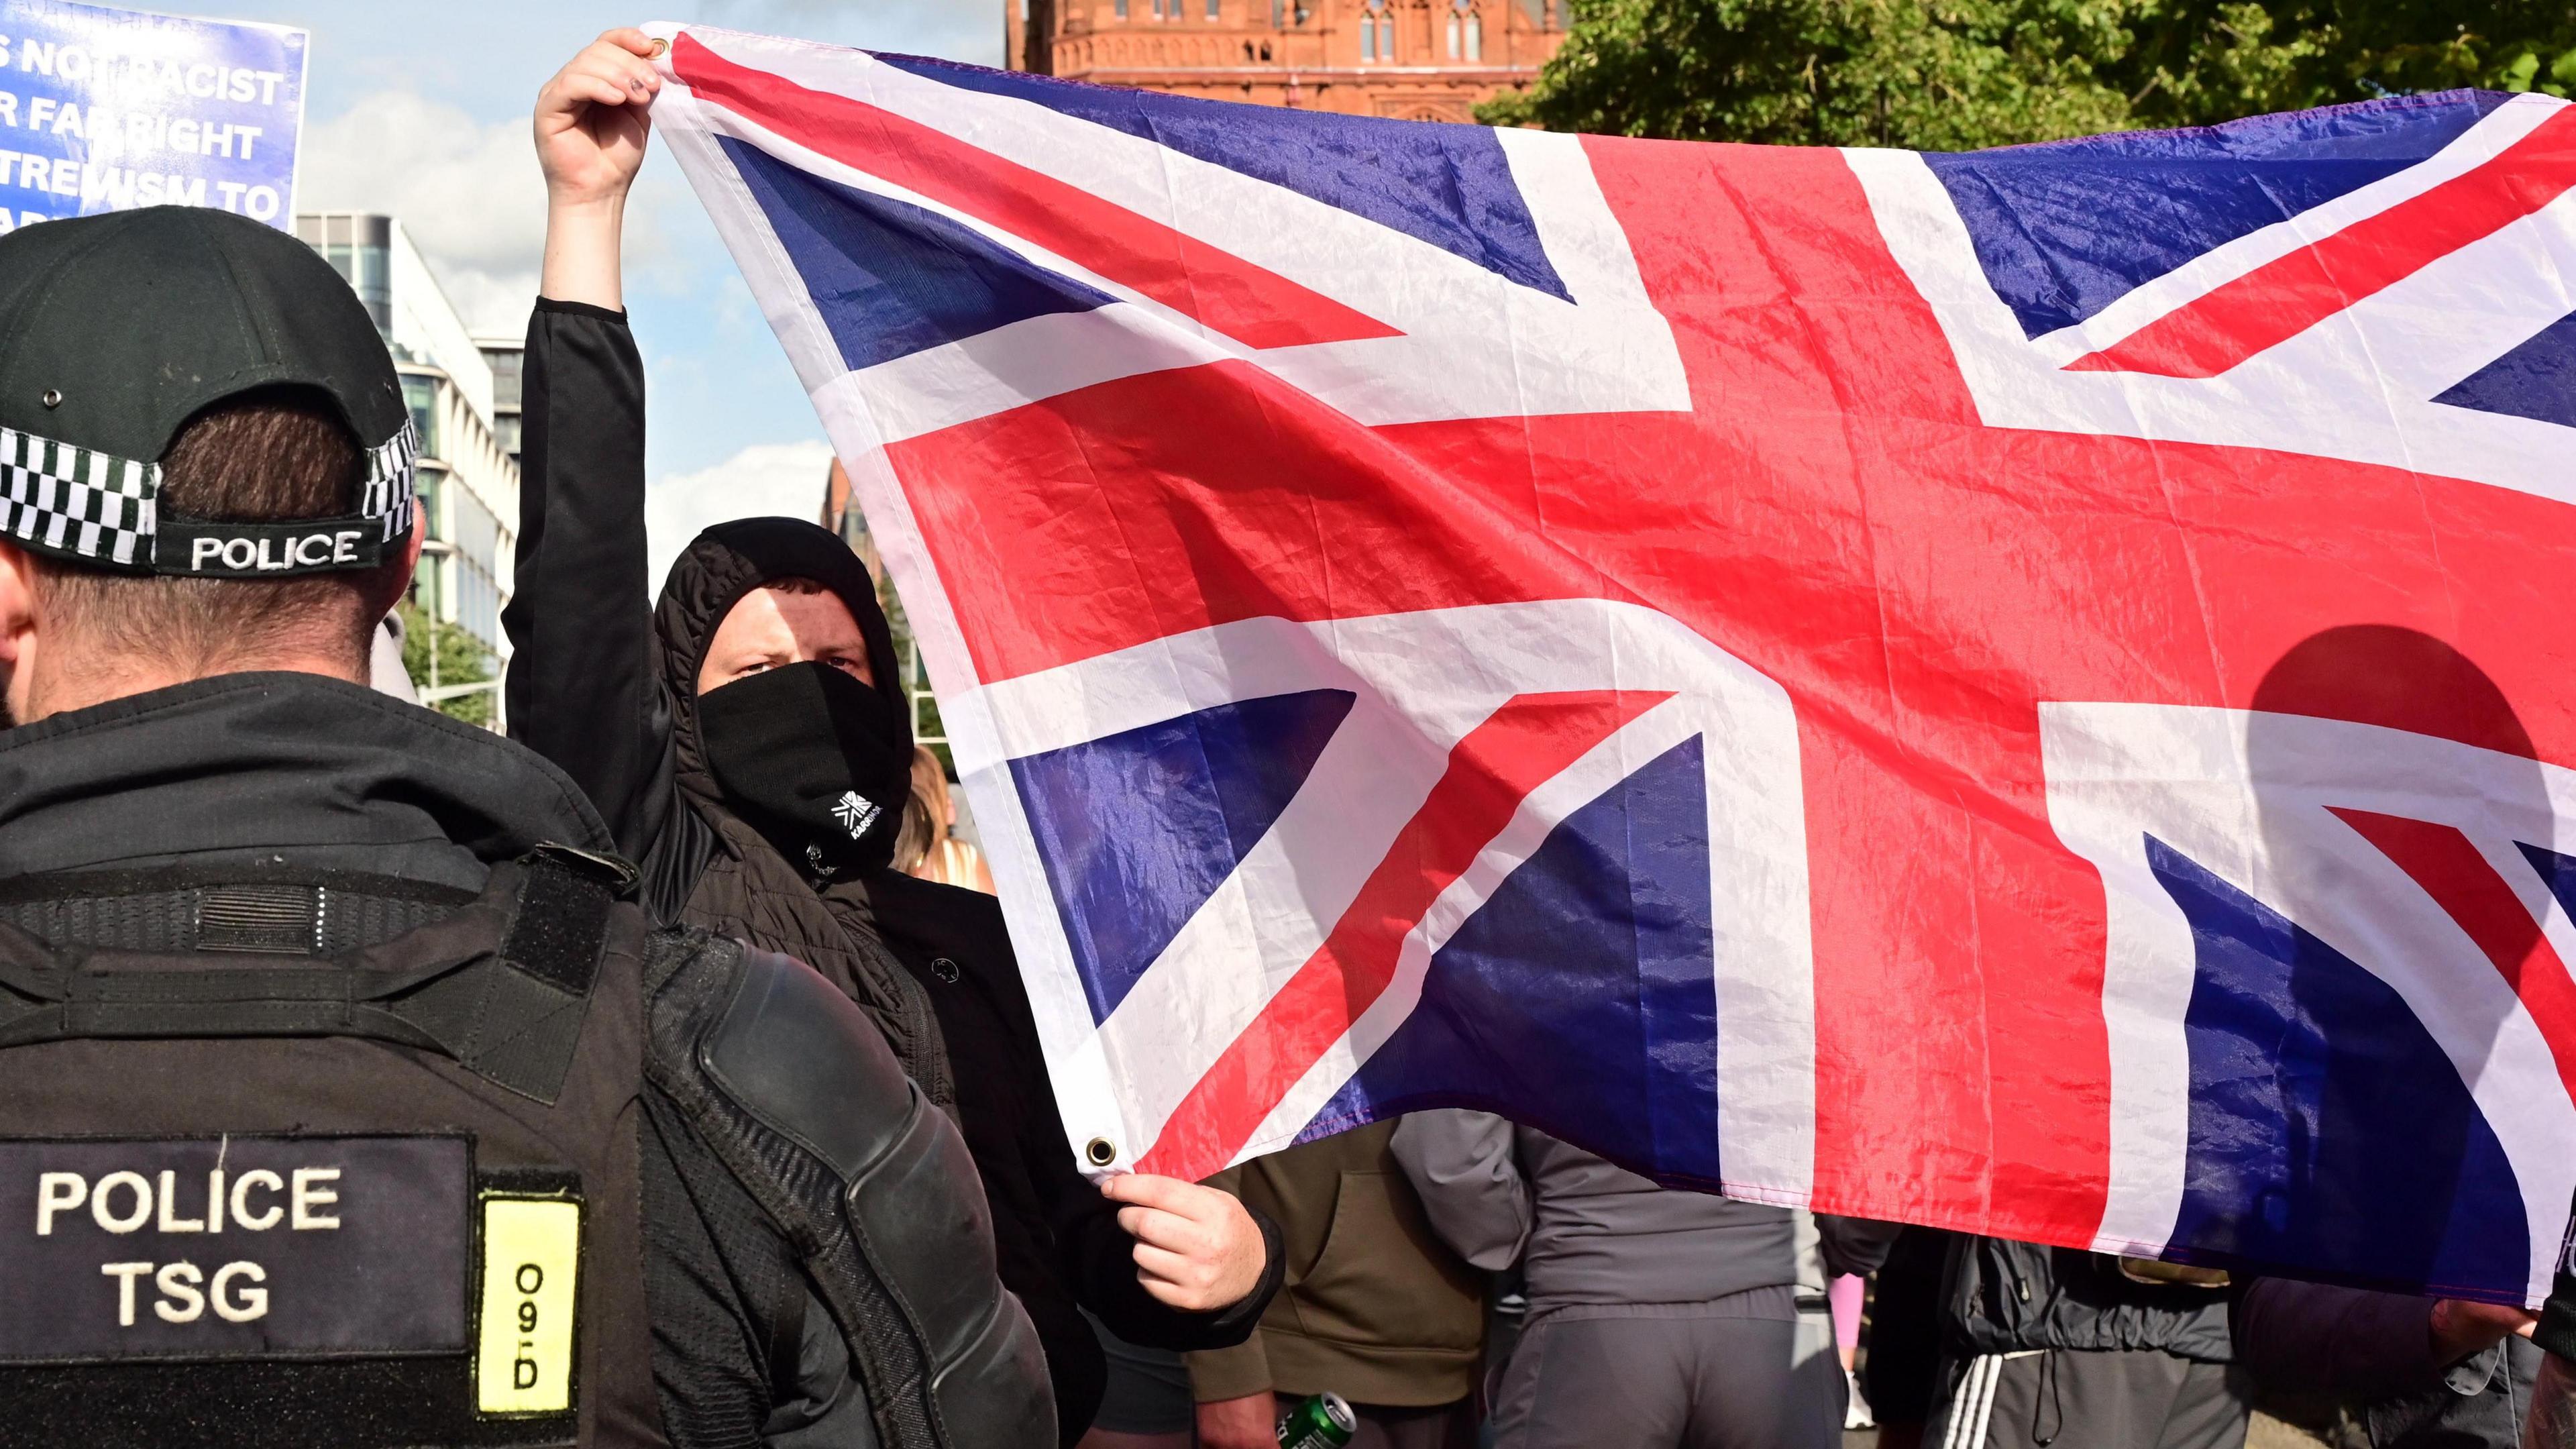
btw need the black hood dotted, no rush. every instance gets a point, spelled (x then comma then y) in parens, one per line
(313, 770)
(711, 576)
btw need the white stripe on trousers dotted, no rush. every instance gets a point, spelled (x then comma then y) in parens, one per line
(1972, 1406)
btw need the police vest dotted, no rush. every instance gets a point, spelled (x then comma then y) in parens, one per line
(322, 1159)
(316, 1159)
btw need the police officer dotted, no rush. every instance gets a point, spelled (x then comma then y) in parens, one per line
(345, 1098)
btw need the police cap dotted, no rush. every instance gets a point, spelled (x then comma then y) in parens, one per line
(116, 329)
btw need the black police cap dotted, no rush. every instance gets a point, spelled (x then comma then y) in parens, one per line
(117, 329)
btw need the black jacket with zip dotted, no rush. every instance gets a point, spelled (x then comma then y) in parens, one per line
(605, 687)
(2008, 1297)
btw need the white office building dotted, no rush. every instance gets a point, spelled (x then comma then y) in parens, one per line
(508, 359)
(469, 473)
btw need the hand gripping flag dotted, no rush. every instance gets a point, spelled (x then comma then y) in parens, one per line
(2028, 691)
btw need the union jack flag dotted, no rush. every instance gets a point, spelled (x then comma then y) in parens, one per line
(2022, 691)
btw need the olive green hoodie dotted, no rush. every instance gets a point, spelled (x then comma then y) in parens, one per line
(1374, 1307)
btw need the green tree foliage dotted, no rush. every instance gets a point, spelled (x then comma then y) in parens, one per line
(438, 655)
(2190, 62)
(1960, 74)
(1928, 74)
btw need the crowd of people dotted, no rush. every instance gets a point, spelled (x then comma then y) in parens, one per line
(696, 958)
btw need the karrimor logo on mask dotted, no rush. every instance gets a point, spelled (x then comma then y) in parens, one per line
(855, 813)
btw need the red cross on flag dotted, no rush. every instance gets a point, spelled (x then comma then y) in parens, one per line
(2026, 691)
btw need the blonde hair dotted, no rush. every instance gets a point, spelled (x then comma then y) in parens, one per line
(925, 813)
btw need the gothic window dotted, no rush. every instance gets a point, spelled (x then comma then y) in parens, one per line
(1377, 33)
(1211, 10)
(1122, 9)
(1466, 31)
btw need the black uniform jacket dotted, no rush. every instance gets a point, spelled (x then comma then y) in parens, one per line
(604, 687)
(312, 773)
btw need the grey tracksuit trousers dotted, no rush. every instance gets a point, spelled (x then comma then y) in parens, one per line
(1657, 1319)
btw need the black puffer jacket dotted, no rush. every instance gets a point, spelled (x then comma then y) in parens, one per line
(607, 692)
(2007, 1297)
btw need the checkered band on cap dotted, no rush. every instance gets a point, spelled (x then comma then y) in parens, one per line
(391, 465)
(82, 503)
(68, 500)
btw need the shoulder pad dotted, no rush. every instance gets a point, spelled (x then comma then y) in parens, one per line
(895, 1232)
(795, 1052)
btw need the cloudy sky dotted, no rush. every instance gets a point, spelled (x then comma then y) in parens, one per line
(421, 110)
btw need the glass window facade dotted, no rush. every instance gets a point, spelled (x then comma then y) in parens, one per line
(459, 580)
(478, 539)
(360, 249)
(429, 486)
(420, 394)
(507, 363)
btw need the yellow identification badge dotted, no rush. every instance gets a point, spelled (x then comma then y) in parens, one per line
(531, 1262)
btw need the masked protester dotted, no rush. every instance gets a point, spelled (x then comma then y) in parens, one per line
(751, 749)
(350, 1100)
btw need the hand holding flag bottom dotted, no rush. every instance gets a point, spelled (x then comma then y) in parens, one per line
(1197, 1248)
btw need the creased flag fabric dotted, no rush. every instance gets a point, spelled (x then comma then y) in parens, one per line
(2026, 691)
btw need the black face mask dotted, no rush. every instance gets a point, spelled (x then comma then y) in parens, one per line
(813, 760)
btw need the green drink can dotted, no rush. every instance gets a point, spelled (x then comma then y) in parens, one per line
(1324, 1421)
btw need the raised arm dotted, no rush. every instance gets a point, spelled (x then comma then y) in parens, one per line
(592, 125)
(584, 689)
(1464, 1167)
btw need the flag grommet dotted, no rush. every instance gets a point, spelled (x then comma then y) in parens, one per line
(1101, 1151)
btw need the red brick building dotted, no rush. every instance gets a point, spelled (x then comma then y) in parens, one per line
(1429, 60)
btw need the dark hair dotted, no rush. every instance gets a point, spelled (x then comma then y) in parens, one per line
(271, 454)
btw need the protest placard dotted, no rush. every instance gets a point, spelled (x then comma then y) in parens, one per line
(102, 110)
